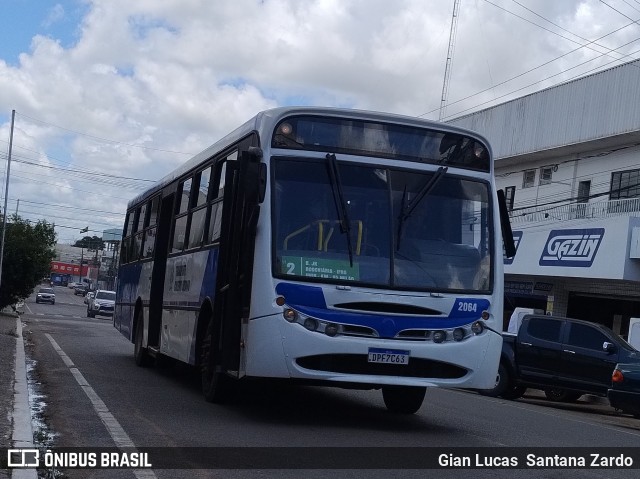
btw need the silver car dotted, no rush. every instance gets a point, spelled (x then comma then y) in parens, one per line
(103, 303)
(46, 295)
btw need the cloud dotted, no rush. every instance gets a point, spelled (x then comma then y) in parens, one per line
(55, 14)
(162, 80)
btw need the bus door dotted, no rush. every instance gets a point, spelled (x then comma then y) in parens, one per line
(163, 232)
(245, 179)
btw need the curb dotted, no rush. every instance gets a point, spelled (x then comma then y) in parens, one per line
(22, 436)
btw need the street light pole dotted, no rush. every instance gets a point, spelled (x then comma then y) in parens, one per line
(6, 192)
(81, 259)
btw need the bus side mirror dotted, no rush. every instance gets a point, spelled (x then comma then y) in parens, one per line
(505, 225)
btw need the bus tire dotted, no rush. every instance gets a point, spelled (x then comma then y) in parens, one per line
(139, 352)
(403, 399)
(216, 386)
(501, 385)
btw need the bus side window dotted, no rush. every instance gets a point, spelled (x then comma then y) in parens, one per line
(124, 250)
(185, 195)
(182, 216)
(136, 246)
(179, 233)
(215, 212)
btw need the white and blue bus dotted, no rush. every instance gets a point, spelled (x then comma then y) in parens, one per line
(329, 246)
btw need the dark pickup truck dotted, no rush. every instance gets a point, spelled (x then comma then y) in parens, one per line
(564, 357)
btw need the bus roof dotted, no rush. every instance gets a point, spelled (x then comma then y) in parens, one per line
(266, 120)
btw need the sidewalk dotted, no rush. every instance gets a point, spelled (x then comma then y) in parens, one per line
(15, 412)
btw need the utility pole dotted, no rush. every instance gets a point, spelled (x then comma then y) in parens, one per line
(81, 260)
(6, 192)
(447, 68)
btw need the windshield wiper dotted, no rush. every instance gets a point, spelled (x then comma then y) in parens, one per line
(338, 198)
(406, 209)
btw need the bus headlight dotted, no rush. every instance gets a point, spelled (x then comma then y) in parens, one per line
(458, 334)
(439, 336)
(290, 315)
(331, 329)
(311, 324)
(477, 327)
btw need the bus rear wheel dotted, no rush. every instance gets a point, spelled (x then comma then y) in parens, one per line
(403, 399)
(139, 352)
(216, 386)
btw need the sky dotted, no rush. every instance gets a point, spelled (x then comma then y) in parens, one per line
(111, 95)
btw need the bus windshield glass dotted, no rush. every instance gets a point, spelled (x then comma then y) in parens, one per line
(368, 138)
(408, 230)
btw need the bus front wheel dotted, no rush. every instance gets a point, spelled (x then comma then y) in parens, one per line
(216, 386)
(403, 399)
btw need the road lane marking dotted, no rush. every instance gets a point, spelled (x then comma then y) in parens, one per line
(116, 431)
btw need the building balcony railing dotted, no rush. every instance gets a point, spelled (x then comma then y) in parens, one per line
(575, 211)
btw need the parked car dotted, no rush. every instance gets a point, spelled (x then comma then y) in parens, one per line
(564, 357)
(103, 303)
(80, 289)
(46, 295)
(625, 388)
(89, 296)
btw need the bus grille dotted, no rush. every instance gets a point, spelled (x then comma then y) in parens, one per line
(358, 364)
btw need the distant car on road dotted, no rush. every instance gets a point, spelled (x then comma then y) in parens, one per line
(46, 295)
(80, 289)
(625, 389)
(103, 303)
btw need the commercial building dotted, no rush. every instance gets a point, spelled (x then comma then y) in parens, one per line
(568, 158)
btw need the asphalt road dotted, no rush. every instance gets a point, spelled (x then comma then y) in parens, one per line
(164, 408)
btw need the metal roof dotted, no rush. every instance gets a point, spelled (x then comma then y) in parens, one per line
(602, 108)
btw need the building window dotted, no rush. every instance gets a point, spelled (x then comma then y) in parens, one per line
(625, 184)
(584, 189)
(529, 179)
(546, 172)
(509, 196)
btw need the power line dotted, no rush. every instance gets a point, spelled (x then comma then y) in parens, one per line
(587, 45)
(36, 213)
(67, 207)
(589, 42)
(104, 140)
(86, 172)
(616, 10)
(70, 188)
(630, 55)
(544, 79)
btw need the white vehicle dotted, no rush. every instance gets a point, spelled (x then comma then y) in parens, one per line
(46, 295)
(102, 303)
(332, 246)
(89, 296)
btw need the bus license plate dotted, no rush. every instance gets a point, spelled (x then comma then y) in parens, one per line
(388, 356)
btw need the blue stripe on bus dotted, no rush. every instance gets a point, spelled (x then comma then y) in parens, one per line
(302, 295)
(209, 280)
(309, 300)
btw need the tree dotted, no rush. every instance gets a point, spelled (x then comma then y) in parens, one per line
(28, 252)
(90, 242)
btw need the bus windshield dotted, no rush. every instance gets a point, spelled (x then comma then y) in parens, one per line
(406, 231)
